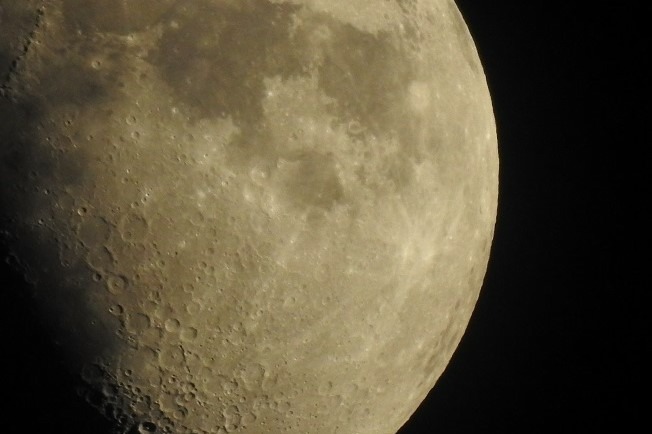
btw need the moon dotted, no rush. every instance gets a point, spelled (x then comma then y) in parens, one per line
(252, 216)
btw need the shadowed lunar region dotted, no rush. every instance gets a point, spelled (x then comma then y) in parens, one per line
(247, 216)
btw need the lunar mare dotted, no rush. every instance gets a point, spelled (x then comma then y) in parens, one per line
(248, 216)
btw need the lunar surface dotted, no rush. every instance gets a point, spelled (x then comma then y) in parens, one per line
(248, 216)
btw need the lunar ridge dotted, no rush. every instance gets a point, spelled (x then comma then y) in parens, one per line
(253, 216)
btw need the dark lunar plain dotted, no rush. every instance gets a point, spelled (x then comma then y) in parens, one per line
(557, 338)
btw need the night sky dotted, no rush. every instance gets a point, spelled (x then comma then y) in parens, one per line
(556, 341)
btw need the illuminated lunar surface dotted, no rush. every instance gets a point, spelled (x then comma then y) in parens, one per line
(248, 216)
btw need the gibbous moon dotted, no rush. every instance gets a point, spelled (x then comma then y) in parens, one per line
(248, 216)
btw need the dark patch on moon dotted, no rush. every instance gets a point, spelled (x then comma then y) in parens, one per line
(230, 47)
(47, 77)
(109, 16)
(214, 56)
(18, 150)
(76, 80)
(368, 75)
(17, 28)
(310, 179)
